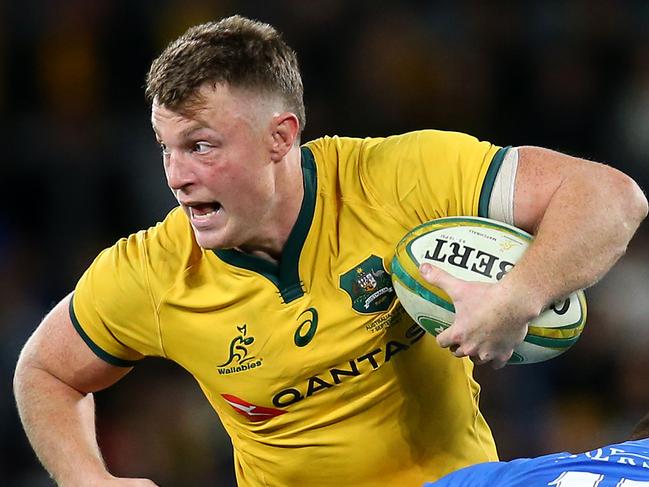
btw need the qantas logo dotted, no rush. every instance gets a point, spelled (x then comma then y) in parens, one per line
(250, 411)
(357, 366)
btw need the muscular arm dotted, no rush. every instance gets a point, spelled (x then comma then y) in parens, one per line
(54, 380)
(583, 215)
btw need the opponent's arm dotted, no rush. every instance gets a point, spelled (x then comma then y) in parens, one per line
(583, 215)
(54, 380)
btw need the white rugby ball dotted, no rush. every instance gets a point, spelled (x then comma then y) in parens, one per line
(478, 249)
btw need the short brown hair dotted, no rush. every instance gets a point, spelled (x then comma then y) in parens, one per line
(236, 51)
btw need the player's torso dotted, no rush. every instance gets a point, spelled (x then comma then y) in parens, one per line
(318, 353)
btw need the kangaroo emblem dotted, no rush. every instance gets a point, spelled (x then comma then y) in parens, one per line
(238, 348)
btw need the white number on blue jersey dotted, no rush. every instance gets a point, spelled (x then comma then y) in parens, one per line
(587, 479)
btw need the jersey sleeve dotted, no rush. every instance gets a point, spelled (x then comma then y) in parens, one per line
(429, 174)
(113, 307)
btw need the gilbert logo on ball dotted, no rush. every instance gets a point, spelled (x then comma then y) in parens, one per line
(478, 249)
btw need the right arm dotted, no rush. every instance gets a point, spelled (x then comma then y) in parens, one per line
(54, 380)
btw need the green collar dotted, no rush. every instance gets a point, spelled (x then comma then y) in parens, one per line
(284, 275)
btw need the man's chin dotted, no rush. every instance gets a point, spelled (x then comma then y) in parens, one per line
(211, 241)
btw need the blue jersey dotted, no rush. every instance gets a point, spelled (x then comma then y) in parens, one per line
(619, 465)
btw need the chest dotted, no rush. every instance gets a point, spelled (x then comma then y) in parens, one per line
(327, 315)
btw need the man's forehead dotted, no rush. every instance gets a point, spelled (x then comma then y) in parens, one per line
(188, 120)
(214, 106)
(200, 100)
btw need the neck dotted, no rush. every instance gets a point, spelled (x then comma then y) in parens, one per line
(285, 211)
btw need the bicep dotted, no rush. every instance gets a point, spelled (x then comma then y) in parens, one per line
(58, 349)
(540, 173)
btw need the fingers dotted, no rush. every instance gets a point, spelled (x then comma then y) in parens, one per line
(448, 338)
(497, 360)
(438, 277)
(478, 361)
(478, 330)
(498, 364)
(494, 363)
(457, 351)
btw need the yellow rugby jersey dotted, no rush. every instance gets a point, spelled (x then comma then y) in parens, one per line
(317, 373)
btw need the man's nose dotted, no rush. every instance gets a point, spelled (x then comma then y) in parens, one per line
(179, 171)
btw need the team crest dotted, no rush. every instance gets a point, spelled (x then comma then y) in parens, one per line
(369, 286)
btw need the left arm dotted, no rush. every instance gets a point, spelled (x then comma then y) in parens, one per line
(583, 215)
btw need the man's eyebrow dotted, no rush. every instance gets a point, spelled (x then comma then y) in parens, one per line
(185, 133)
(190, 130)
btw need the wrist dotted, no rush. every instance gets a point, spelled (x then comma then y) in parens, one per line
(89, 477)
(529, 300)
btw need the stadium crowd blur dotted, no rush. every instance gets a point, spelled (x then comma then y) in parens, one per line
(80, 168)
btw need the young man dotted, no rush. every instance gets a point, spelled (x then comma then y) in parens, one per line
(269, 283)
(618, 465)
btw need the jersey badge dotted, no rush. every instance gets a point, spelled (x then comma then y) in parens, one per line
(239, 357)
(369, 286)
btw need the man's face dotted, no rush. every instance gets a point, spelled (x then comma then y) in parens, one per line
(218, 165)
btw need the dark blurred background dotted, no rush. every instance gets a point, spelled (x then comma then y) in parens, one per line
(81, 169)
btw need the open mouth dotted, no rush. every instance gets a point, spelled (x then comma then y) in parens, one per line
(203, 211)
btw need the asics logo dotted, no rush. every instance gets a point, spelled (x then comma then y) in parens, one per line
(305, 332)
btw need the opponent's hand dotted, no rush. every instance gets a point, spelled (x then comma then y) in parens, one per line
(489, 319)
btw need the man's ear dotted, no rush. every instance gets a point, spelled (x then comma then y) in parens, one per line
(285, 132)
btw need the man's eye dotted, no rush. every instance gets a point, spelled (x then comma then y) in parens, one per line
(202, 147)
(163, 148)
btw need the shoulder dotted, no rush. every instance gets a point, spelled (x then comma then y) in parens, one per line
(421, 145)
(415, 175)
(160, 252)
(333, 152)
(171, 237)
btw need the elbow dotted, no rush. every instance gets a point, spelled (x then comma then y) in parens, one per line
(23, 373)
(626, 201)
(626, 208)
(19, 376)
(635, 206)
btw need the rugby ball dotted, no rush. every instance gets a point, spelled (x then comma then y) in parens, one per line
(478, 249)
